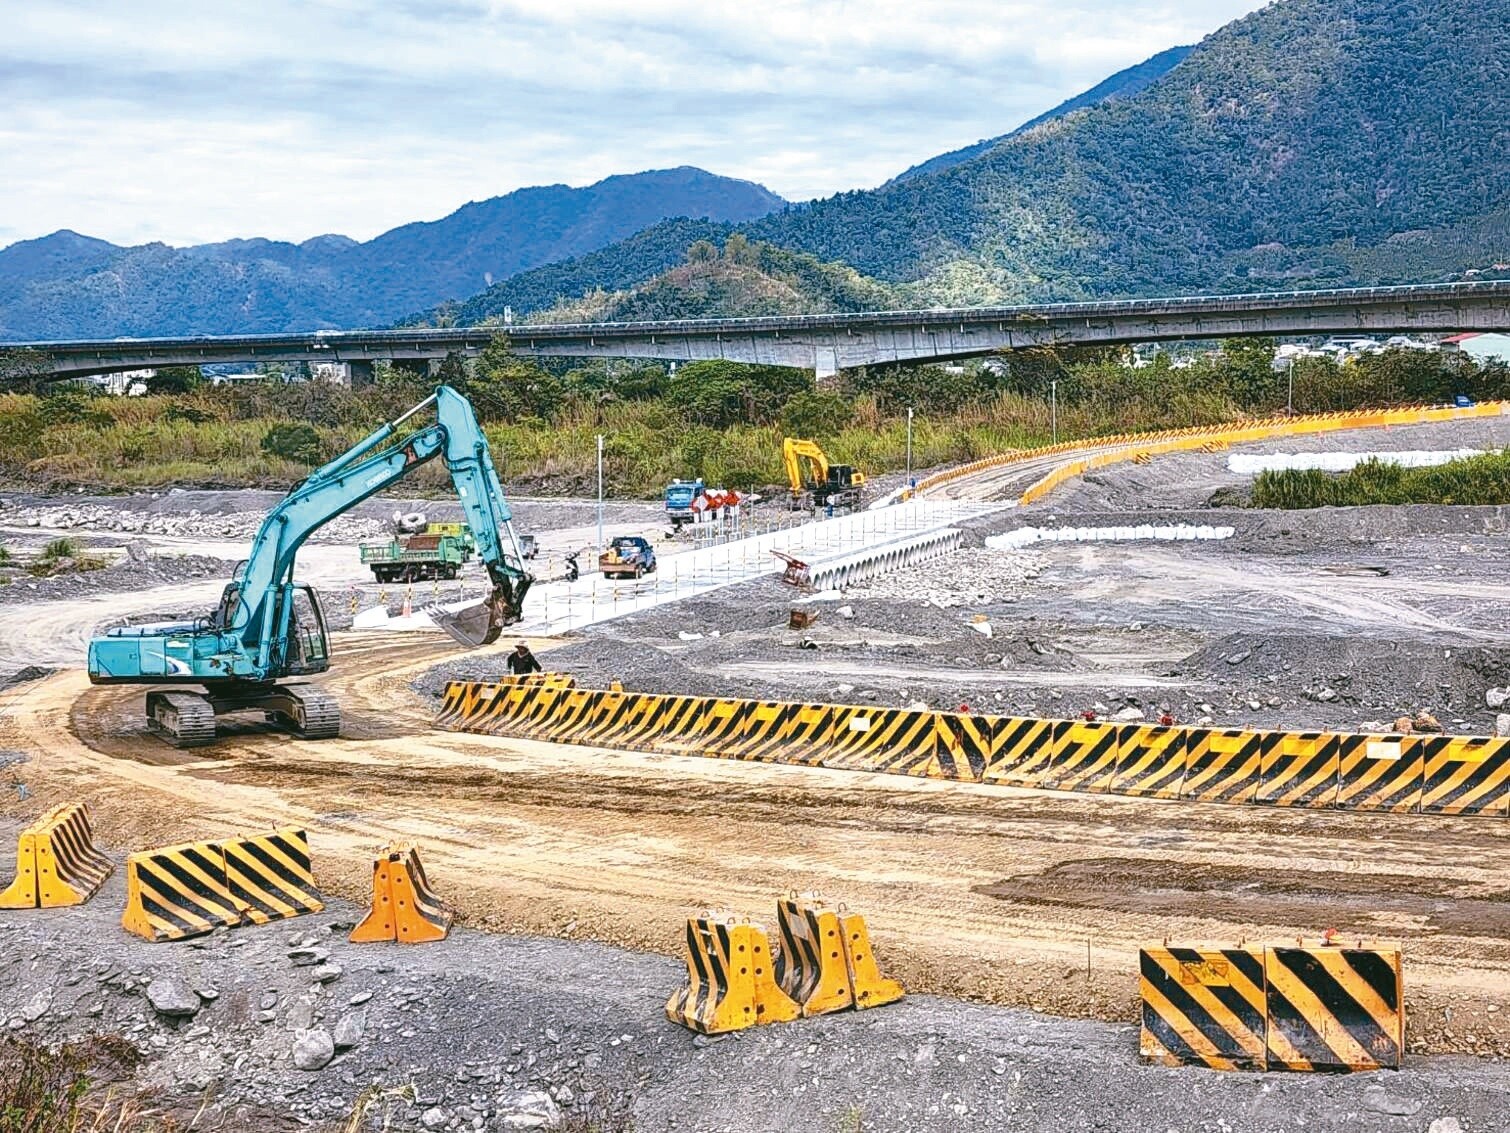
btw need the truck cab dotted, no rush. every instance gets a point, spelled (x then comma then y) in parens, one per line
(679, 497)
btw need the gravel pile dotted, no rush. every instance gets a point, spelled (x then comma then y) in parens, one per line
(974, 576)
(128, 574)
(193, 524)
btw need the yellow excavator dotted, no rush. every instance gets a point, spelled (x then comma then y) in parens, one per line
(815, 482)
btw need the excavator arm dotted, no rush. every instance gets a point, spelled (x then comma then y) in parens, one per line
(262, 608)
(795, 451)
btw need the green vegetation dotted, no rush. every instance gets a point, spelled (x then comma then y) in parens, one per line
(295, 442)
(1474, 480)
(718, 420)
(63, 556)
(5, 555)
(65, 1090)
(744, 278)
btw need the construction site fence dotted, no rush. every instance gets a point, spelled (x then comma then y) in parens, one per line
(1140, 446)
(1404, 774)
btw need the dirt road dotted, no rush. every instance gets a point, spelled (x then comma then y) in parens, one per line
(1015, 897)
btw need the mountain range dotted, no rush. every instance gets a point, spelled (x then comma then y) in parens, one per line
(71, 286)
(1311, 143)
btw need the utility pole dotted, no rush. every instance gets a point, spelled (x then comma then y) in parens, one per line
(600, 492)
(1054, 410)
(910, 484)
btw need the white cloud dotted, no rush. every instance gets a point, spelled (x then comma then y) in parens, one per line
(290, 118)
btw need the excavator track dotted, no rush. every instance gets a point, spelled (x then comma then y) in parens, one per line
(183, 719)
(317, 716)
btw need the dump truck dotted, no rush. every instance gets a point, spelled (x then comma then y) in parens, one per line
(440, 550)
(628, 556)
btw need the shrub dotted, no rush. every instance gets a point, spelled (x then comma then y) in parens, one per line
(294, 441)
(816, 413)
(1475, 480)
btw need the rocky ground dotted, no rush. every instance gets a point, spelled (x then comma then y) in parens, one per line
(139, 568)
(289, 1026)
(1348, 619)
(213, 514)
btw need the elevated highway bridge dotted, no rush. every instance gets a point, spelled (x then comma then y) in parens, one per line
(827, 344)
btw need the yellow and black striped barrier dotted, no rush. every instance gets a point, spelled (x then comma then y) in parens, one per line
(731, 982)
(180, 891)
(1334, 1008)
(735, 979)
(1465, 775)
(1203, 1007)
(270, 876)
(900, 740)
(1150, 761)
(1222, 765)
(404, 907)
(1403, 774)
(1085, 757)
(1296, 1008)
(57, 862)
(811, 967)
(1022, 752)
(1298, 769)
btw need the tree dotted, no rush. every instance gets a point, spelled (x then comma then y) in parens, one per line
(505, 387)
(701, 252)
(719, 394)
(816, 413)
(1247, 364)
(295, 441)
(175, 379)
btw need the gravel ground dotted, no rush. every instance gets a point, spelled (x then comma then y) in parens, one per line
(122, 575)
(209, 514)
(494, 1032)
(1345, 619)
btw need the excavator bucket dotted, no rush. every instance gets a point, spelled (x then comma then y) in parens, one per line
(483, 623)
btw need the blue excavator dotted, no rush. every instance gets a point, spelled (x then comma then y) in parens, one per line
(269, 630)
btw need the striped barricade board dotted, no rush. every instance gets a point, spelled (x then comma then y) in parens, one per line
(1085, 757)
(1024, 749)
(1379, 773)
(1203, 1007)
(1150, 761)
(899, 741)
(1298, 769)
(1223, 765)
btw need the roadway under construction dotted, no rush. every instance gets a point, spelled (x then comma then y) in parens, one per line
(994, 893)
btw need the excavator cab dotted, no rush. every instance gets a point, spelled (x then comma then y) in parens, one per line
(307, 644)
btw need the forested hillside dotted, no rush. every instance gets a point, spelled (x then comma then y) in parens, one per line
(70, 286)
(1313, 143)
(1124, 84)
(739, 279)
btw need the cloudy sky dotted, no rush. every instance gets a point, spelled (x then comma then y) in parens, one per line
(139, 120)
